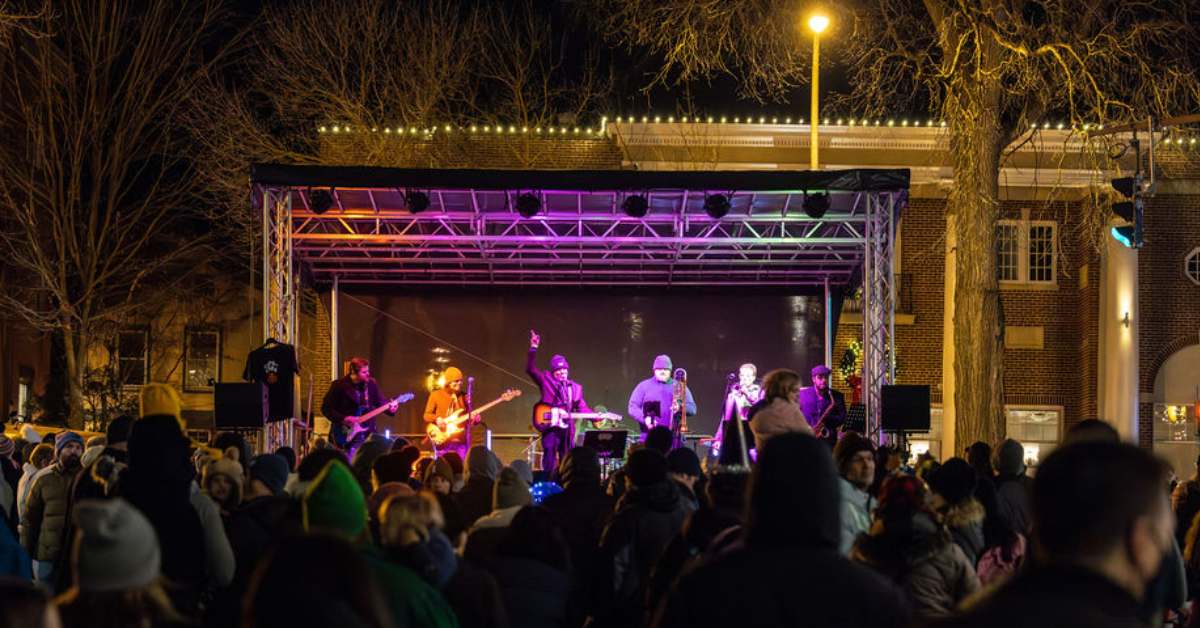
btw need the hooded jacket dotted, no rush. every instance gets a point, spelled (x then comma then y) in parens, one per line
(45, 517)
(646, 520)
(788, 571)
(965, 522)
(580, 511)
(918, 555)
(475, 498)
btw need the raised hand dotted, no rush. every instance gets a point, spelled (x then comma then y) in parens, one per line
(534, 339)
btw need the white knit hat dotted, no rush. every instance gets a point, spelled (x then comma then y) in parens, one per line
(117, 549)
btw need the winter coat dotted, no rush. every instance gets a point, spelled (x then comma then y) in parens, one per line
(856, 514)
(487, 533)
(580, 512)
(218, 554)
(1012, 501)
(1185, 500)
(534, 593)
(24, 485)
(46, 514)
(253, 528)
(475, 597)
(475, 498)
(965, 522)
(919, 556)
(689, 546)
(662, 393)
(1052, 597)
(646, 520)
(14, 560)
(412, 602)
(783, 586)
(777, 416)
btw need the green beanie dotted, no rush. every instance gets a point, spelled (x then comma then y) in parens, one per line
(335, 503)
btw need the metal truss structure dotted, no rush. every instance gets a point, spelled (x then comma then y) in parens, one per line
(384, 227)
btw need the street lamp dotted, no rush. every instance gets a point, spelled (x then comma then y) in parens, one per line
(817, 24)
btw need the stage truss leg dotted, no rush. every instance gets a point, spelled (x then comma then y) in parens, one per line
(280, 285)
(879, 305)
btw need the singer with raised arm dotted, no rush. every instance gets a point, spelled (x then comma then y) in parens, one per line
(563, 398)
(348, 398)
(654, 401)
(824, 408)
(443, 403)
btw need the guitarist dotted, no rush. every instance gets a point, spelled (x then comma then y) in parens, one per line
(814, 402)
(350, 396)
(558, 391)
(442, 402)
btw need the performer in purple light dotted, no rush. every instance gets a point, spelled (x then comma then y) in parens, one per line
(820, 401)
(560, 393)
(742, 394)
(653, 401)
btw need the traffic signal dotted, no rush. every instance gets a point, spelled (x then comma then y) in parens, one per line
(1129, 231)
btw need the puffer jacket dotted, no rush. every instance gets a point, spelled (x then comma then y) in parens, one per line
(919, 556)
(46, 514)
(778, 416)
(965, 522)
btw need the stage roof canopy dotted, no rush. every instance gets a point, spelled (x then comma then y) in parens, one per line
(471, 233)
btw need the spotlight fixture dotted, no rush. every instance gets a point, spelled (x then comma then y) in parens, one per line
(716, 205)
(319, 201)
(528, 205)
(635, 206)
(416, 201)
(815, 205)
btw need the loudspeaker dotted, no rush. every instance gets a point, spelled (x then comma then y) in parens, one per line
(240, 405)
(904, 409)
(610, 444)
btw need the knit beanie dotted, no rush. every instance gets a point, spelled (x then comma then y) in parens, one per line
(510, 490)
(439, 468)
(1010, 458)
(646, 467)
(117, 547)
(161, 399)
(91, 454)
(558, 362)
(452, 374)
(7, 446)
(662, 362)
(954, 481)
(334, 502)
(848, 447)
(118, 429)
(229, 467)
(684, 461)
(271, 470)
(521, 466)
(63, 438)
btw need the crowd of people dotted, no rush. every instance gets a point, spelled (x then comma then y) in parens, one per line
(143, 527)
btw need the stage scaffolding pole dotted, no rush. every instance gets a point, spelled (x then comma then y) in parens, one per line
(828, 325)
(280, 284)
(335, 365)
(879, 306)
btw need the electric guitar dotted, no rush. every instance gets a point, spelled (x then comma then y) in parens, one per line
(366, 422)
(546, 416)
(449, 426)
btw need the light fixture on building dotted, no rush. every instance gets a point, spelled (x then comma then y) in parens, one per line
(635, 206)
(528, 205)
(716, 205)
(1125, 320)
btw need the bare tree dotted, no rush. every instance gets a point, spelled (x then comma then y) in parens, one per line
(96, 199)
(989, 68)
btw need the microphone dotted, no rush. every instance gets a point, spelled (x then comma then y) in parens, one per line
(732, 377)
(470, 387)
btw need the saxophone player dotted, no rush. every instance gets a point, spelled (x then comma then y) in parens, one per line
(819, 400)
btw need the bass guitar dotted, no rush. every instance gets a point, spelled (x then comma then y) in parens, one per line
(546, 416)
(366, 422)
(449, 426)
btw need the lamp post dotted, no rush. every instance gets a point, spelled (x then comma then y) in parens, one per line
(817, 24)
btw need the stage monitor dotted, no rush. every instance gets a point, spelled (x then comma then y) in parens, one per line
(904, 409)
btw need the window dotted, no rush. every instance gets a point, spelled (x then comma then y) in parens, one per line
(133, 358)
(1027, 252)
(1191, 266)
(1037, 428)
(201, 359)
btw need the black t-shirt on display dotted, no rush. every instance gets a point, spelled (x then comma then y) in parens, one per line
(274, 364)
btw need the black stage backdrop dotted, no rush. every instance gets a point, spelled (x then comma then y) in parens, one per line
(609, 340)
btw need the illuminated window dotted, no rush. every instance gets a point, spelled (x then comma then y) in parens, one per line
(133, 356)
(1191, 266)
(1037, 428)
(201, 359)
(1026, 252)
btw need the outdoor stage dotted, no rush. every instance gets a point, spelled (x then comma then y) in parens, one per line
(612, 268)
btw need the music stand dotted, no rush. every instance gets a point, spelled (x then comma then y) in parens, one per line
(608, 444)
